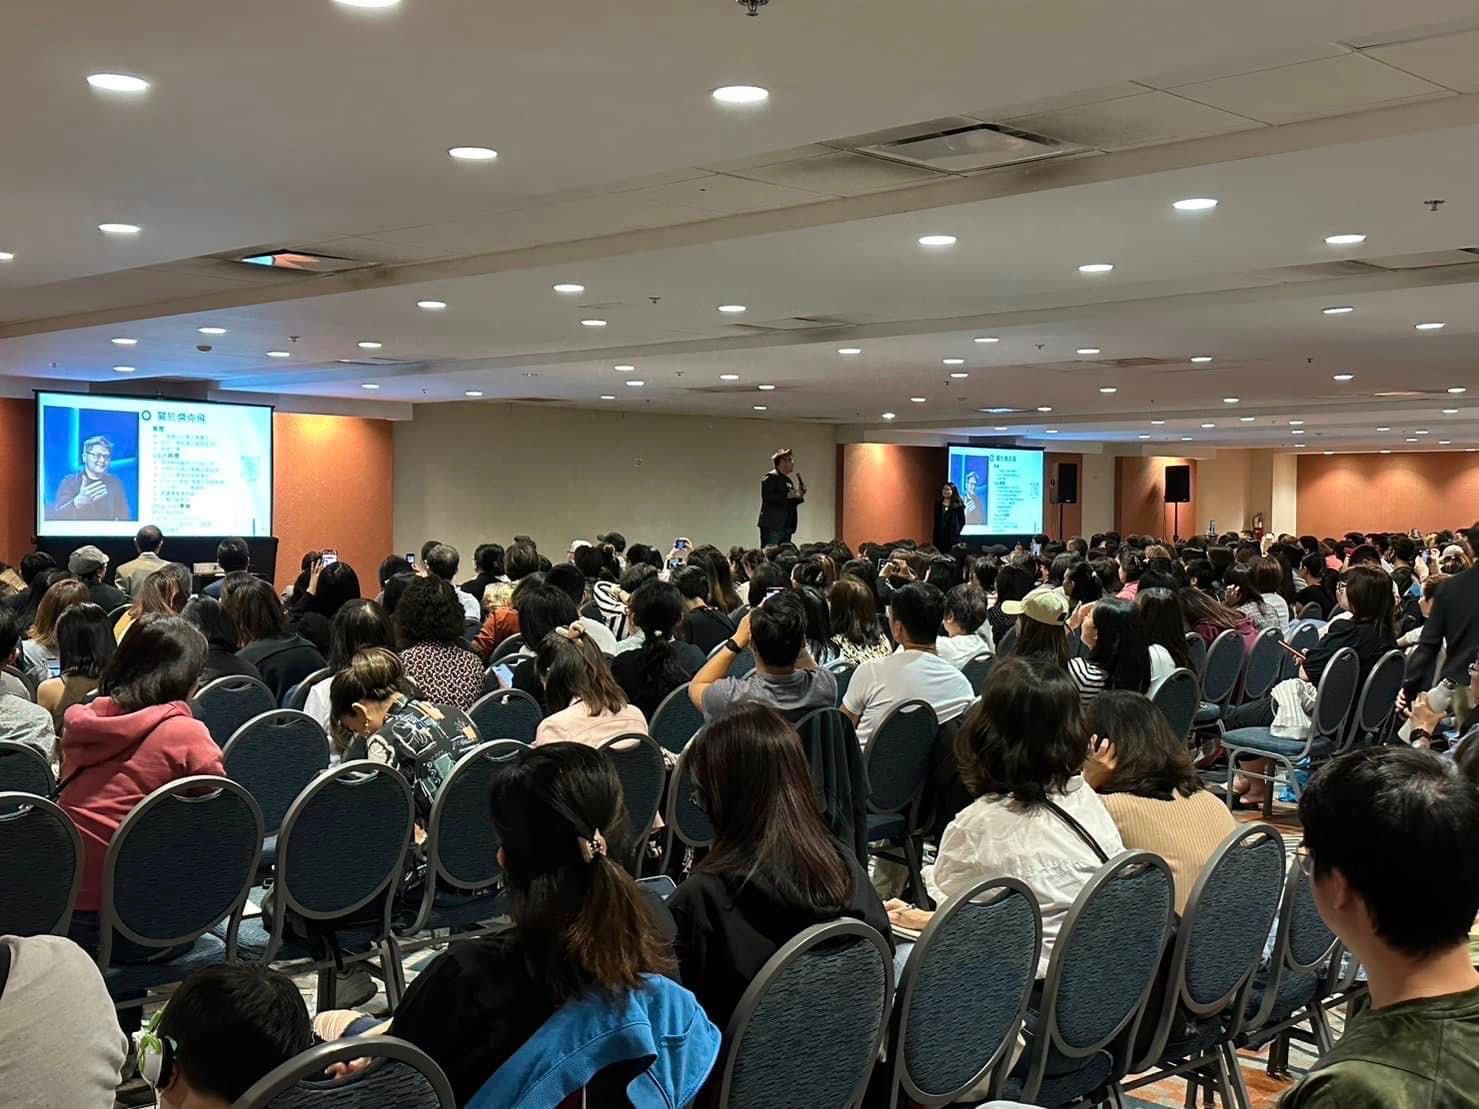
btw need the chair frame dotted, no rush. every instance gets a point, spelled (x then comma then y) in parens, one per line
(986, 659)
(902, 1080)
(25, 678)
(297, 695)
(503, 650)
(1251, 693)
(503, 697)
(20, 806)
(1356, 722)
(1230, 635)
(16, 749)
(639, 835)
(1196, 686)
(277, 714)
(231, 679)
(676, 782)
(793, 949)
(912, 839)
(675, 696)
(320, 1057)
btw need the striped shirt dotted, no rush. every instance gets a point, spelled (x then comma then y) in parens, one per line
(1091, 679)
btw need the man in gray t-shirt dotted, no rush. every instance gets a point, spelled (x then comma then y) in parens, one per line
(785, 675)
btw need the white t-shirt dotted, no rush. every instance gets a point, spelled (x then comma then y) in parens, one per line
(600, 634)
(958, 650)
(471, 609)
(317, 704)
(882, 683)
(1161, 663)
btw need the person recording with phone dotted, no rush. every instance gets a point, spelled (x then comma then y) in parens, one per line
(780, 495)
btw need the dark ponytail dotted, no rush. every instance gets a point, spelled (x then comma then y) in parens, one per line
(657, 609)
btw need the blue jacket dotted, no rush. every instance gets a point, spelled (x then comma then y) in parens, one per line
(660, 1022)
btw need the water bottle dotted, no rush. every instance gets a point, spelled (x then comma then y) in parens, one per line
(1211, 527)
(1440, 697)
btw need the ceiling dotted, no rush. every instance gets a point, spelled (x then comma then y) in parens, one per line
(317, 126)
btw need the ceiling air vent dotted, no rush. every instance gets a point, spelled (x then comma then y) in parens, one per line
(960, 145)
(301, 261)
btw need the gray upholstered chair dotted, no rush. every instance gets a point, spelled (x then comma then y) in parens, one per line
(897, 764)
(643, 772)
(1265, 664)
(275, 756)
(686, 819)
(40, 866)
(23, 769)
(676, 721)
(978, 669)
(1178, 698)
(225, 704)
(506, 714)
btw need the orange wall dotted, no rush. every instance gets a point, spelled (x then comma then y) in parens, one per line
(17, 477)
(1140, 506)
(333, 487)
(887, 491)
(1366, 492)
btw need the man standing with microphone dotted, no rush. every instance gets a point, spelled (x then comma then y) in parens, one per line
(779, 496)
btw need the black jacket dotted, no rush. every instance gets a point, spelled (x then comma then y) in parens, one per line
(948, 525)
(1368, 640)
(1454, 621)
(105, 596)
(777, 507)
(282, 660)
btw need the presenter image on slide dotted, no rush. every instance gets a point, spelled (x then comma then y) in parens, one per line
(974, 498)
(92, 493)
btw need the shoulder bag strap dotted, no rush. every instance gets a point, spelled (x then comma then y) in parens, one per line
(1079, 829)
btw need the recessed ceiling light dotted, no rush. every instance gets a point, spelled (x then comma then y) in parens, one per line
(1328, 452)
(368, 385)
(1088, 350)
(1445, 442)
(211, 330)
(1422, 431)
(1246, 419)
(1455, 390)
(760, 408)
(1410, 440)
(123, 369)
(1050, 431)
(472, 393)
(608, 396)
(369, 344)
(117, 82)
(919, 400)
(1000, 427)
(592, 323)
(1450, 412)
(1383, 429)
(952, 361)
(1297, 431)
(731, 309)
(1096, 267)
(996, 410)
(1143, 435)
(623, 369)
(118, 228)
(729, 377)
(959, 374)
(1158, 422)
(1384, 451)
(634, 382)
(1108, 389)
(1186, 438)
(1434, 326)
(1195, 204)
(1342, 377)
(473, 153)
(937, 240)
(368, 3)
(1209, 425)
(886, 416)
(1201, 358)
(766, 388)
(123, 342)
(278, 354)
(431, 305)
(1338, 309)
(6, 256)
(1296, 423)
(1045, 408)
(1344, 240)
(1231, 400)
(986, 339)
(569, 287)
(740, 94)
(849, 350)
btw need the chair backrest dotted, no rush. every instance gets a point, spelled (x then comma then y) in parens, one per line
(181, 862)
(964, 990)
(509, 646)
(639, 764)
(1265, 663)
(686, 819)
(676, 721)
(897, 757)
(1104, 961)
(23, 769)
(1005, 644)
(1178, 697)
(461, 841)
(1378, 696)
(843, 671)
(829, 987)
(1311, 610)
(116, 613)
(1224, 666)
(297, 696)
(40, 866)
(343, 844)
(506, 714)
(743, 663)
(25, 678)
(1196, 653)
(978, 669)
(400, 1075)
(275, 756)
(1305, 636)
(1336, 693)
(225, 704)
(1294, 973)
(1222, 934)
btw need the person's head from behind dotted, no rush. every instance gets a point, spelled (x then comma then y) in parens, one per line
(521, 560)
(395, 589)
(1160, 616)
(657, 610)
(572, 668)
(915, 612)
(429, 546)
(149, 538)
(589, 561)
(441, 561)
(429, 612)
(1012, 583)
(253, 608)
(489, 559)
(1026, 737)
(232, 554)
(1267, 574)
(854, 611)
(1379, 825)
(567, 577)
(1139, 752)
(581, 922)
(751, 776)
(965, 610)
(338, 584)
(1367, 593)
(693, 583)
(59, 597)
(357, 626)
(390, 566)
(165, 590)
(1081, 584)
(33, 563)
(542, 608)
(362, 694)
(158, 661)
(11, 629)
(222, 1030)
(84, 639)
(1116, 640)
(1042, 626)
(1364, 554)
(778, 631)
(1241, 588)
(208, 616)
(1404, 549)
(766, 577)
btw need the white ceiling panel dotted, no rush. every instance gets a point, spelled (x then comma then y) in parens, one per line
(1148, 117)
(722, 193)
(1310, 89)
(1449, 60)
(838, 173)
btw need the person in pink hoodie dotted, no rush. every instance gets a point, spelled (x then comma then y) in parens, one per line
(137, 736)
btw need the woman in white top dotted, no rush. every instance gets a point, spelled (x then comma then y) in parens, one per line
(1020, 751)
(1165, 631)
(1244, 596)
(586, 703)
(1268, 578)
(965, 620)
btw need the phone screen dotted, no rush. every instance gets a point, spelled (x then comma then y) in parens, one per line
(1037, 548)
(411, 558)
(680, 544)
(329, 557)
(54, 667)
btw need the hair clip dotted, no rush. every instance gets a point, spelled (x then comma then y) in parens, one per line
(590, 848)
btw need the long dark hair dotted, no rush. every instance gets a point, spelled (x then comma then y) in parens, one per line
(1120, 648)
(756, 786)
(955, 501)
(85, 643)
(721, 582)
(338, 584)
(1149, 760)
(1160, 617)
(1369, 596)
(165, 591)
(1038, 640)
(853, 610)
(1201, 607)
(657, 609)
(818, 623)
(581, 923)
(1241, 578)
(158, 660)
(571, 666)
(359, 624)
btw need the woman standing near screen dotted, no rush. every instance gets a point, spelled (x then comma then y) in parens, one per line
(949, 518)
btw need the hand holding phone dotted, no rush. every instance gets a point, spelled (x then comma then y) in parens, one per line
(1298, 655)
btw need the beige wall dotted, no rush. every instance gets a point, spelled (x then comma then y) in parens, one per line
(472, 473)
(1226, 488)
(1096, 493)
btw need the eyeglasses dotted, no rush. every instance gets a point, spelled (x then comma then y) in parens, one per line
(98, 456)
(1305, 859)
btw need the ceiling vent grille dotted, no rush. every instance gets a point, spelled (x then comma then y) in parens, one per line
(959, 144)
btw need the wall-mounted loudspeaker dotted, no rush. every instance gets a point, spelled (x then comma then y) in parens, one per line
(1068, 483)
(1178, 484)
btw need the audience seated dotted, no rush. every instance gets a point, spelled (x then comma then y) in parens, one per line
(63, 1046)
(1452, 630)
(40, 647)
(1118, 655)
(1165, 631)
(703, 626)
(20, 719)
(542, 608)
(774, 868)
(282, 657)
(436, 656)
(163, 592)
(233, 556)
(356, 627)
(1082, 588)
(1040, 626)
(661, 663)
(148, 542)
(24, 602)
(328, 589)
(1391, 846)
(502, 620)
(1243, 594)
(209, 617)
(1209, 618)
(568, 578)
(584, 702)
(785, 675)
(1143, 773)
(967, 634)
(85, 646)
(442, 561)
(853, 611)
(89, 565)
